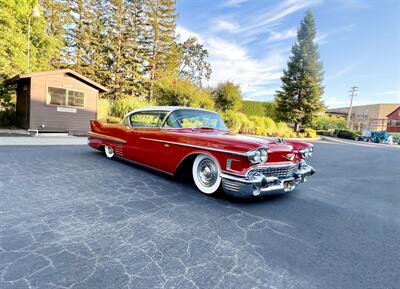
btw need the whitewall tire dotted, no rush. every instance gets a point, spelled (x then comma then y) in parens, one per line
(206, 174)
(109, 151)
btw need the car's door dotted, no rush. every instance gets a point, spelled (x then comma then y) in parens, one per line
(145, 125)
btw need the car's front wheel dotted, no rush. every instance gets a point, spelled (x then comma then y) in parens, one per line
(109, 151)
(206, 174)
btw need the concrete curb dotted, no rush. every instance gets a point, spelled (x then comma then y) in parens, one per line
(359, 143)
(304, 139)
(41, 140)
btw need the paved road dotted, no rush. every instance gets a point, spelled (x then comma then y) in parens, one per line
(69, 218)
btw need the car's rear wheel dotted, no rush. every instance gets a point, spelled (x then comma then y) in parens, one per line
(206, 174)
(109, 151)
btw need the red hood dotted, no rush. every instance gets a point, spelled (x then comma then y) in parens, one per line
(234, 142)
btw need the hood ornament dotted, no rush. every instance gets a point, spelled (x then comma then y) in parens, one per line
(289, 157)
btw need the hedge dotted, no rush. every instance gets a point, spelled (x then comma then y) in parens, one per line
(258, 108)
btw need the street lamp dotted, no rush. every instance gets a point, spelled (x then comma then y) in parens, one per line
(35, 13)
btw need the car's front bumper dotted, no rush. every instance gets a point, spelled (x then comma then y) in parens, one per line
(265, 185)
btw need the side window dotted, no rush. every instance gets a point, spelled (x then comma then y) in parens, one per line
(147, 118)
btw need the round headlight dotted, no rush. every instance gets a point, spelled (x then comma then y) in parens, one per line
(264, 155)
(257, 156)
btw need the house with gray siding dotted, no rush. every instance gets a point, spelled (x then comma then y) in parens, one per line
(56, 101)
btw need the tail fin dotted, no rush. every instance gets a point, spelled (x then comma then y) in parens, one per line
(95, 125)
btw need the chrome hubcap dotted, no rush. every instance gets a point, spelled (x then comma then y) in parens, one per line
(110, 150)
(207, 172)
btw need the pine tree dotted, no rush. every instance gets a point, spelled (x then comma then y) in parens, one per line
(159, 37)
(125, 51)
(54, 13)
(86, 39)
(299, 99)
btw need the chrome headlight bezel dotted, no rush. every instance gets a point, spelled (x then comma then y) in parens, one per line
(258, 156)
(307, 152)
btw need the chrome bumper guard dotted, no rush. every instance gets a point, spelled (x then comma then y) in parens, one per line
(265, 185)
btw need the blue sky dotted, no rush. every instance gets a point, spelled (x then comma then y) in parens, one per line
(249, 43)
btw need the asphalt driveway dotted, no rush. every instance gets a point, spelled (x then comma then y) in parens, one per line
(70, 218)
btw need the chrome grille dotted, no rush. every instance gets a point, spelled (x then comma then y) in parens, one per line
(281, 172)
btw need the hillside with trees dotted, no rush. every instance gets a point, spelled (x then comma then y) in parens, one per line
(131, 47)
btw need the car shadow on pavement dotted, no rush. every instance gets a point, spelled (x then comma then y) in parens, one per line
(188, 182)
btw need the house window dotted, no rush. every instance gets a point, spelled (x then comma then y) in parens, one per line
(58, 96)
(76, 98)
(66, 97)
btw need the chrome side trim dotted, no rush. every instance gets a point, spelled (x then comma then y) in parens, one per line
(105, 137)
(198, 147)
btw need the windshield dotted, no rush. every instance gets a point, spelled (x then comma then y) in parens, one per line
(190, 118)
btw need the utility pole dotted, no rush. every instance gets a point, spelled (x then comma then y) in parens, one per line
(353, 92)
(35, 13)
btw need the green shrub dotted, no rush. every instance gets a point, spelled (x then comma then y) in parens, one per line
(7, 117)
(347, 134)
(103, 109)
(282, 130)
(326, 132)
(113, 119)
(227, 97)
(325, 122)
(233, 120)
(120, 107)
(270, 125)
(251, 108)
(259, 125)
(247, 127)
(259, 108)
(309, 132)
(168, 91)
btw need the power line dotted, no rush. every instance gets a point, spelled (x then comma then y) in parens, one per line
(353, 90)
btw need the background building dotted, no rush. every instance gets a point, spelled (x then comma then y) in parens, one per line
(371, 117)
(56, 101)
(393, 123)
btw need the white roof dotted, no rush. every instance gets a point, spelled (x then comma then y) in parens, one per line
(165, 108)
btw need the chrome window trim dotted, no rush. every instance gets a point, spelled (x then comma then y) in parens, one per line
(196, 146)
(142, 111)
(189, 108)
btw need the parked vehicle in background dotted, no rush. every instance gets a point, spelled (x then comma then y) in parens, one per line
(176, 140)
(377, 136)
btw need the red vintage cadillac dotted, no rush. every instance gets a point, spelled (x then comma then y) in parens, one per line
(179, 140)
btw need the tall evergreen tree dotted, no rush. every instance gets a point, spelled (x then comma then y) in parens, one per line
(160, 38)
(125, 51)
(86, 38)
(299, 99)
(54, 13)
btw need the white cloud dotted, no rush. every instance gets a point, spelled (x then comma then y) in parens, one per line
(322, 37)
(185, 33)
(390, 92)
(224, 25)
(265, 21)
(231, 62)
(279, 36)
(233, 2)
(334, 102)
(345, 70)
